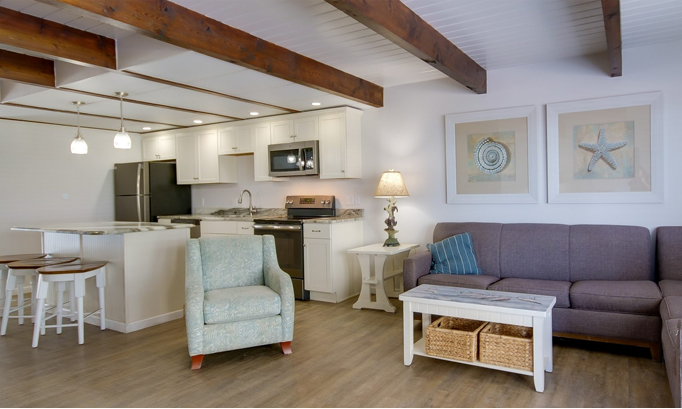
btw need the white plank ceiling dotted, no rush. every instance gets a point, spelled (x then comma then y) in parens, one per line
(495, 33)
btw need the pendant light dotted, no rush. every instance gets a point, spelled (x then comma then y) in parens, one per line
(122, 139)
(78, 145)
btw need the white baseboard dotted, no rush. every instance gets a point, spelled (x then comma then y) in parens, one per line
(137, 325)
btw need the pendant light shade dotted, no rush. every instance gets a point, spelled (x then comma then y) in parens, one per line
(122, 139)
(78, 145)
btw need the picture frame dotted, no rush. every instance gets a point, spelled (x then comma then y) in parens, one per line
(631, 171)
(487, 134)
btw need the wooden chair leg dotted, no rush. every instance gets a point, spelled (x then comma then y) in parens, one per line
(286, 347)
(196, 361)
(655, 352)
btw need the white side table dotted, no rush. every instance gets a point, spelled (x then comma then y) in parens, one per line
(372, 259)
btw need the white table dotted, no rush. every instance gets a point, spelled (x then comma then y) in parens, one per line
(372, 260)
(462, 302)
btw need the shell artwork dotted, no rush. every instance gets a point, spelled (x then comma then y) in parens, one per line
(489, 156)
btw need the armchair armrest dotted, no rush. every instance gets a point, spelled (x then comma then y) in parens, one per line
(279, 282)
(194, 298)
(414, 267)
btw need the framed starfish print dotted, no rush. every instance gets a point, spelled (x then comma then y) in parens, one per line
(605, 150)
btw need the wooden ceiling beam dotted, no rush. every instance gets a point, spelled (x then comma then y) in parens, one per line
(26, 69)
(399, 24)
(611, 12)
(182, 27)
(26, 32)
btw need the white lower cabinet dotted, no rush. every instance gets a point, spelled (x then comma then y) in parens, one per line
(225, 228)
(331, 274)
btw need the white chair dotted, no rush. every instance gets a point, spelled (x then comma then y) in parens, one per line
(16, 273)
(60, 275)
(4, 260)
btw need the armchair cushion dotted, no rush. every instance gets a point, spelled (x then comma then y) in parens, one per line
(232, 261)
(240, 303)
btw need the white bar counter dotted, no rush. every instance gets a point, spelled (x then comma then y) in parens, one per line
(146, 270)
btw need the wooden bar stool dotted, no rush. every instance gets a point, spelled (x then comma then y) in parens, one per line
(11, 258)
(15, 279)
(60, 275)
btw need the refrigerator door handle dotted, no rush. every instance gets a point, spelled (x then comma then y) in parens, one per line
(139, 175)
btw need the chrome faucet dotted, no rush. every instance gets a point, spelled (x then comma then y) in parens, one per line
(252, 208)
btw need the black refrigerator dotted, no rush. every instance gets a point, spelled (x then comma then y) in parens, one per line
(145, 190)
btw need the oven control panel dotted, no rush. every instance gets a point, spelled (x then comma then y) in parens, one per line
(310, 202)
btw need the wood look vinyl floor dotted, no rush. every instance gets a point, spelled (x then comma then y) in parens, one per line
(341, 358)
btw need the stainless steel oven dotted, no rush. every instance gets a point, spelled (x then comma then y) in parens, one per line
(288, 233)
(294, 159)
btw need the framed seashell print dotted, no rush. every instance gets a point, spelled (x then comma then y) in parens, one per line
(491, 156)
(605, 150)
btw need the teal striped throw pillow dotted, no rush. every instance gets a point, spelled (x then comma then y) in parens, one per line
(454, 255)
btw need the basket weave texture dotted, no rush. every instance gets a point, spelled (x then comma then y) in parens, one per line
(505, 345)
(454, 338)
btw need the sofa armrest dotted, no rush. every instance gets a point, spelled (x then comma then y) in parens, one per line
(194, 298)
(279, 282)
(414, 267)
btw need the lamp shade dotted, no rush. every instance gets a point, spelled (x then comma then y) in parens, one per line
(79, 146)
(122, 140)
(391, 184)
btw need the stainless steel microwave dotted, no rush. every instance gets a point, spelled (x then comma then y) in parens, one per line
(294, 159)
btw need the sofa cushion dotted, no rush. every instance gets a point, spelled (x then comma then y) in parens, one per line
(537, 251)
(231, 261)
(558, 289)
(616, 253)
(630, 297)
(480, 282)
(670, 288)
(454, 255)
(240, 303)
(671, 308)
(668, 255)
(670, 338)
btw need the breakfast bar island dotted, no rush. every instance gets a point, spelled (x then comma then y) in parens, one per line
(145, 274)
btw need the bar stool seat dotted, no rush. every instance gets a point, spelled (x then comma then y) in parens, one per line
(11, 258)
(16, 272)
(61, 274)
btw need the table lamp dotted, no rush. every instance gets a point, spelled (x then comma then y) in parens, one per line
(391, 186)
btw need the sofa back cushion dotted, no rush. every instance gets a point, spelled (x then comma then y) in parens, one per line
(486, 240)
(668, 254)
(231, 261)
(536, 251)
(599, 252)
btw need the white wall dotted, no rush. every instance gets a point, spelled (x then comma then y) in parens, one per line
(38, 170)
(408, 135)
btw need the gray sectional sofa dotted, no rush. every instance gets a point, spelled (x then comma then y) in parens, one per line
(669, 271)
(601, 276)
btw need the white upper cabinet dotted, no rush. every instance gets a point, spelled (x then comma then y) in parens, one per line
(236, 140)
(306, 129)
(340, 145)
(160, 147)
(282, 131)
(198, 160)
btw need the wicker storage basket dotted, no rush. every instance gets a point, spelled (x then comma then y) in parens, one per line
(453, 338)
(505, 345)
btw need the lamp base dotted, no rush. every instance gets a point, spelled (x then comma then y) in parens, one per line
(391, 241)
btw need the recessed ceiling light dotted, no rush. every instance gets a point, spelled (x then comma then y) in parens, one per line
(316, 104)
(253, 113)
(198, 121)
(146, 128)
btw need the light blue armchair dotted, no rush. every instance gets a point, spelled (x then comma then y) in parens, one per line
(236, 296)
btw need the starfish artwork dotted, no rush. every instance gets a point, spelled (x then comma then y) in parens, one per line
(602, 149)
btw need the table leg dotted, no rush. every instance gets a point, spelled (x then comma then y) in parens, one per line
(382, 299)
(548, 342)
(365, 298)
(408, 332)
(538, 353)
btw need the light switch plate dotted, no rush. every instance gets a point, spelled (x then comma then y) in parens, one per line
(350, 199)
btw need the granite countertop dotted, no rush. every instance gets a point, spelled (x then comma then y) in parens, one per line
(242, 215)
(104, 228)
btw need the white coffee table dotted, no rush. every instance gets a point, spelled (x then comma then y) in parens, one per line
(372, 260)
(525, 310)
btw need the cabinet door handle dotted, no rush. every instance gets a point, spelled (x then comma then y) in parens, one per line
(292, 136)
(343, 171)
(245, 228)
(234, 147)
(317, 231)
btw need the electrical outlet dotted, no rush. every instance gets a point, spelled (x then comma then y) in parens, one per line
(350, 199)
(357, 200)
